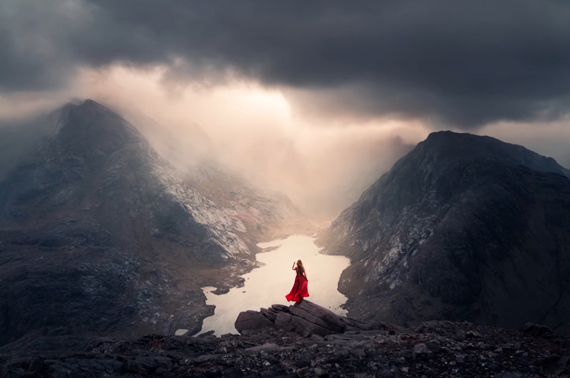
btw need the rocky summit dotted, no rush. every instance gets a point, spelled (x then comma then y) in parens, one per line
(463, 227)
(276, 349)
(100, 235)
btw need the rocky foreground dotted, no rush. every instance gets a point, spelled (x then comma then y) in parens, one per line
(435, 348)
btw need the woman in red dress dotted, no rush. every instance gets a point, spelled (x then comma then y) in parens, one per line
(300, 288)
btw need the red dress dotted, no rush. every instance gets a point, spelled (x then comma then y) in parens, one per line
(300, 289)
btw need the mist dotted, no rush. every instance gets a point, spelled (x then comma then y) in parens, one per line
(322, 165)
(271, 136)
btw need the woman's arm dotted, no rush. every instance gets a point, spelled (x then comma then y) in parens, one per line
(293, 268)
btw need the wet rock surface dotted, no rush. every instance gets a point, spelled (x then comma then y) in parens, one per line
(447, 349)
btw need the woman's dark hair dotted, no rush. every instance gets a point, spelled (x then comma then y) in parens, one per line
(300, 268)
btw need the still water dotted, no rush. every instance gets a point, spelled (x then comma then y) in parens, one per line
(270, 283)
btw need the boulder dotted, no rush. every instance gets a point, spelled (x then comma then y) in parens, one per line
(420, 351)
(536, 330)
(249, 320)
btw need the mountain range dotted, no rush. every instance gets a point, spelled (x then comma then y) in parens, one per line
(100, 234)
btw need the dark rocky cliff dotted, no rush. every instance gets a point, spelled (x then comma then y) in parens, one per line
(100, 235)
(465, 228)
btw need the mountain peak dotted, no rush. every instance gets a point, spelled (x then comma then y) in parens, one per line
(89, 102)
(92, 119)
(457, 147)
(88, 132)
(89, 108)
(92, 105)
(447, 137)
(464, 227)
(83, 105)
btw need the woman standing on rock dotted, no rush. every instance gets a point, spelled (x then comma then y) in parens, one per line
(300, 288)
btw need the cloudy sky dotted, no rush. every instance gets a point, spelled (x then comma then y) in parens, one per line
(323, 93)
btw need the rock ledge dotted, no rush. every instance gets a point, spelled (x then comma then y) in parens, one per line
(306, 319)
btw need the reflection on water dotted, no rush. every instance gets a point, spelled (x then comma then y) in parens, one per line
(269, 284)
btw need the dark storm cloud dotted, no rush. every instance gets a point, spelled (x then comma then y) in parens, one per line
(463, 63)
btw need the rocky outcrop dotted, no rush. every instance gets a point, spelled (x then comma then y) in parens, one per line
(306, 319)
(433, 349)
(464, 227)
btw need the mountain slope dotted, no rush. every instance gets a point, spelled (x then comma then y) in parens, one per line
(463, 227)
(266, 214)
(99, 234)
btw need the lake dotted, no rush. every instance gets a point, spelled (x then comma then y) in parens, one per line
(270, 283)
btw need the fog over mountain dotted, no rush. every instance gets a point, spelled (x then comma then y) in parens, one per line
(322, 169)
(307, 96)
(147, 148)
(102, 235)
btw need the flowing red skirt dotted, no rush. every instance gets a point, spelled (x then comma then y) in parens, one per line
(300, 289)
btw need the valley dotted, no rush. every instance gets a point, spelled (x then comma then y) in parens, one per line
(101, 237)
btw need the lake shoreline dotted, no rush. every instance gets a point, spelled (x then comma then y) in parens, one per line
(272, 279)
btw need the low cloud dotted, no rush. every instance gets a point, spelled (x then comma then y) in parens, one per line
(323, 168)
